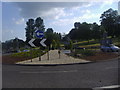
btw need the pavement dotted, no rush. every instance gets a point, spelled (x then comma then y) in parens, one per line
(54, 59)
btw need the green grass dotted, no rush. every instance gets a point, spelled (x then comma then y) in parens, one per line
(85, 52)
(93, 49)
(81, 42)
(92, 45)
(86, 43)
(31, 54)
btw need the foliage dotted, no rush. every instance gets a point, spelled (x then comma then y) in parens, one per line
(85, 31)
(110, 23)
(54, 45)
(95, 31)
(32, 26)
(81, 43)
(39, 24)
(29, 29)
(53, 37)
(110, 20)
(85, 52)
(12, 45)
(71, 45)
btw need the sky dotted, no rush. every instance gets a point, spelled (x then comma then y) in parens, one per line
(60, 16)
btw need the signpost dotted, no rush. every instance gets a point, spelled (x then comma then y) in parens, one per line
(38, 42)
(39, 34)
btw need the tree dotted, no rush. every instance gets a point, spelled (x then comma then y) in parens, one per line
(32, 26)
(80, 32)
(54, 44)
(71, 45)
(49, 35)
(73, 34)
(13, 45)
(49, 30)
(76, 25)
(39, 24)
(108, 21)
(95, 31)
(117, 27)
(53, 37)
(85, 31)
(29, 29)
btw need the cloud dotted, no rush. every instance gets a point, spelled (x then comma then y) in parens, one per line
(86, 11)
(84, 18)
(54, 13)
(119, 7)
(106, 2)
(8, 31)
(10, 34)
(46, 9)
(19, 21)
(90, 16)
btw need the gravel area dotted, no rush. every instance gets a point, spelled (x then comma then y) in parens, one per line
(54, 59)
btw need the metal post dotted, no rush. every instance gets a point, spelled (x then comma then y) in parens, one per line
(48, 53)
(59, 53)
(40, 54)
(31, 53)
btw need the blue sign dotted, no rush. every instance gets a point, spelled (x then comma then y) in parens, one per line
(39, 34)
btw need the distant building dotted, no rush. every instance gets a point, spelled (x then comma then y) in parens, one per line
(119, 7)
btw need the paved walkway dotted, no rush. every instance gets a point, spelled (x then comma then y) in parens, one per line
(53, 59)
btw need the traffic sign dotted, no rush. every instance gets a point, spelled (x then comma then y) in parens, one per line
(39, 34)
(39, 42)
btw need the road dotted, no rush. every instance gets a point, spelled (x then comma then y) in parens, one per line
(90, 75)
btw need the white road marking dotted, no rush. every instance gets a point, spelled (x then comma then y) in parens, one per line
(106, 87)
(111, 68)
(49, 71)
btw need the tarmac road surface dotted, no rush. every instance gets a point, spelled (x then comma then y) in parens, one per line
(89, 75)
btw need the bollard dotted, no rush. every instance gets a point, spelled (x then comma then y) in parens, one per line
(59, 53)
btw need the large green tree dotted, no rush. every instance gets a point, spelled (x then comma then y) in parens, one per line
(29, 29)
(80, 32)
(108, 21)
(32, 26)
(95, 31)
(53, 37)
(39, 24)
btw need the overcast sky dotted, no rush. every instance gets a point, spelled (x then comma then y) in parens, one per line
(57, 15)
